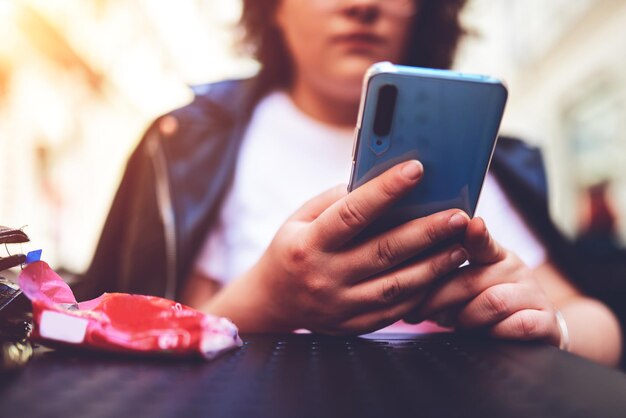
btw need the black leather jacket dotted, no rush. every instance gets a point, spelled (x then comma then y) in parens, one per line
(175, 181)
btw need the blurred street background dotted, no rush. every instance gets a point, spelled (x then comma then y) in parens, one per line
(81, 80)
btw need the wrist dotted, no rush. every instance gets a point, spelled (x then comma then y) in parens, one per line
(244, 302)
(263, 304)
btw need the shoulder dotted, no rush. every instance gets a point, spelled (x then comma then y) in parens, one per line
(214, 105)
(520, 165)
(516, 153)
(215, 110)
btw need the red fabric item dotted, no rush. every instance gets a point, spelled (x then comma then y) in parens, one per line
(121, 322)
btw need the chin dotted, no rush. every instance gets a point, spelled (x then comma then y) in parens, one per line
(356, 66)
(349, 76)
(348, 89)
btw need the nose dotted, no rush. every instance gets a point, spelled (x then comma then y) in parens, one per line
(365, 11)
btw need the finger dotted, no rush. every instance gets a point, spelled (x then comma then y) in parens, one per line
(347, 217)
(314, 207)
(527, 325)
(402, 283)
(415, 316)
(377, 319)
(402, 243)
(497, 303)
(446, 319)
(467, 283)
(481, 246)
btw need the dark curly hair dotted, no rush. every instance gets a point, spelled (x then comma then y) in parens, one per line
(436, 33)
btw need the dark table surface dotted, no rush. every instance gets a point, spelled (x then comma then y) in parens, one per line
(315, 376)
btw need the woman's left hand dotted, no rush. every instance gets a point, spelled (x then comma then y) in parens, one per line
(496, 292)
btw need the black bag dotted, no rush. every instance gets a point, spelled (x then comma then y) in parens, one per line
(12, 236)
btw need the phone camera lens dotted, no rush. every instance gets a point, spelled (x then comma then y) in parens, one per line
(385, 109)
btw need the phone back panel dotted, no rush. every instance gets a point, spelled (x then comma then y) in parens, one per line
(446, 120)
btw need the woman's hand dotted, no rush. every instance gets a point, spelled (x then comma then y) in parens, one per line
(496, 292)
(314, 276)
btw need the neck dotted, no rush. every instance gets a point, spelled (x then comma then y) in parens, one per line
(326, 108)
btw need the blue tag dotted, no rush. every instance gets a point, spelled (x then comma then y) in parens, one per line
(33, 256)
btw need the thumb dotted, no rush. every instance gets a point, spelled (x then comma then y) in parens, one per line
(480, 245)
(314, 207)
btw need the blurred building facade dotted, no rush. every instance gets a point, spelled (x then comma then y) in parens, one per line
(80, 82)
(564, 63)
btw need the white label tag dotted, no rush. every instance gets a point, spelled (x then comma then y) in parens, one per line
(60, 327)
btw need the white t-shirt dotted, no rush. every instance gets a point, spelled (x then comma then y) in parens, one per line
(287, 158)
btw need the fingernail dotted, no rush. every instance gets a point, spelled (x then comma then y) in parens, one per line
(412, 170)
(458, 256)
(458, 221)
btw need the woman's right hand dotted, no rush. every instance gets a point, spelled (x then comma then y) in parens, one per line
(314, 276)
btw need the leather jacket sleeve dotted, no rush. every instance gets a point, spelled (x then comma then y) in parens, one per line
(170, 193)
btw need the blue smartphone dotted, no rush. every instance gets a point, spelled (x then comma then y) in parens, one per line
(447, 120)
